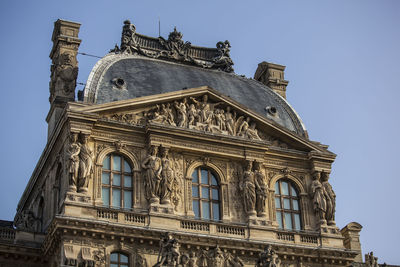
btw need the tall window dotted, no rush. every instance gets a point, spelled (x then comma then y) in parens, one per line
(116, 182)
(205, 193)
(287, 205)
(118, 260)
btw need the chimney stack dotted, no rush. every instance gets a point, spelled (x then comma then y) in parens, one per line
(272, 75)
(64, 69)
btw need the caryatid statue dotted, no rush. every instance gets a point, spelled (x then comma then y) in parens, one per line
(248, 189)
(261, 189)
(85, 165)
(152, 175)
(318, 196)
(167, 177)
(72, 157)
(330, 198)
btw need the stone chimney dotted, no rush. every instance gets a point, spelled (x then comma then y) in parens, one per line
(64, 69)
(272, 75)
(351, 234)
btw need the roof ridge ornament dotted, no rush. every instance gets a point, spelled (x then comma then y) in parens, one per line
(175, 49)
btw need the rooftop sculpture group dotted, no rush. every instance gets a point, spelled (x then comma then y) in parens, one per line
(174, 48)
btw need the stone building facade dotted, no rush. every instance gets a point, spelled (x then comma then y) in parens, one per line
(168, 158)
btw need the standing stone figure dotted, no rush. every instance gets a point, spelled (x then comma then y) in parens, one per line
(261, 189)
(168, 254)
(371, 260)
(85, 165)
(167, 177)
(318, 196)
(72, 157)
(268, 258)
(248, 189)
(230, 121)
(330, 198)
(152, 174)
(216, 257)
(182, 113)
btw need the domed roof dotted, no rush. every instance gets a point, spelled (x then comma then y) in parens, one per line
(121, 76)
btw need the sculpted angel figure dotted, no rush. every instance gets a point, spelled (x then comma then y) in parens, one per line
(152, 168)
(72, 156)
(85, 165)
(317, 194)
(167, 177)
(248, 189)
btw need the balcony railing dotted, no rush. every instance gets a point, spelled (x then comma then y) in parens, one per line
(7, 234)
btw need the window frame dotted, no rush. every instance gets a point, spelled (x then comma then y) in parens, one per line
(111, 187)
(282, 210)
(118, 262)
(210, 174)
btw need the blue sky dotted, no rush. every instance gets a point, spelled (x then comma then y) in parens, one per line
(342, 61)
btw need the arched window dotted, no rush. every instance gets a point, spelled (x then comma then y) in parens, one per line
(117, 182)
(118, 259)
(287, 205)
(205, 194)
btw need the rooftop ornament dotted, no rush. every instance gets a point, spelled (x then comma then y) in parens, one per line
(174, 49)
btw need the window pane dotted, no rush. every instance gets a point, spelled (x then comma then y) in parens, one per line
(114, 257)
(277, 191)
(196, 208)
(116, 163)
(116, 198)
(195, 176)
(295, 204)
(294, 193)
(215, 194)
(127, 199)
(213, 180)
(285, 188)
(114, 265)
(215, 207)
(297, 221)
(124, 258)
(106, 163)
(279, 219)
(128, 181)
(105, 178)
(205, 210)
(205, 192)
(116, 179)
(204, 176)
(127, 167)
(105, 196)
(286, 203)
(288, 221)
(277, 203)
(195, 191)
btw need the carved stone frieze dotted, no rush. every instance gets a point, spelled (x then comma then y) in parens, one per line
(197, 114)
(268, 258)
(26, 220)
(174, 48)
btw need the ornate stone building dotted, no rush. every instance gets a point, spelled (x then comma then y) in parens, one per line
(168, 158)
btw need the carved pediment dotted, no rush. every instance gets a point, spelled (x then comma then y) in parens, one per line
(201, 110)
(198, 114)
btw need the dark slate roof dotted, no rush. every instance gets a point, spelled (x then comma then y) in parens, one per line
(145, 76)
